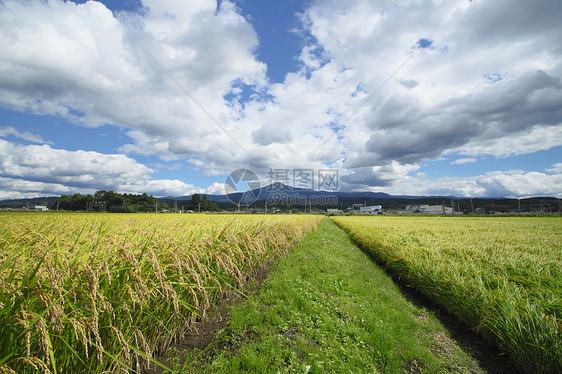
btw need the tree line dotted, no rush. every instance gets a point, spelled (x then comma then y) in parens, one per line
(110, 201)
(203, 204)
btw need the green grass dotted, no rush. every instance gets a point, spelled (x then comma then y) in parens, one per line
(327, 307)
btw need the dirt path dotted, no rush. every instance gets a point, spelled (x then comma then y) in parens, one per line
(202, 333)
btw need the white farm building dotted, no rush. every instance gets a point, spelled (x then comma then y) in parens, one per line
(372, 209)
(430, 209)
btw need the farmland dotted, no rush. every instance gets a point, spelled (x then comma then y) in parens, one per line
(501, 276)
(326, 307)
(97, 292)
(111, 292)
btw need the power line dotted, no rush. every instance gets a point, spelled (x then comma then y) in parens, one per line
(197, 102)
(240, 145)
(368, 99)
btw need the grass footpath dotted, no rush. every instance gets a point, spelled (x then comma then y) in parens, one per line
(327, 307)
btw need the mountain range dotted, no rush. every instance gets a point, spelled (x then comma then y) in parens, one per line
(298, 198)
(271, 191)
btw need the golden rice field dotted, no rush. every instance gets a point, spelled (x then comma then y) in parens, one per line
(107, 293)
(501, 276)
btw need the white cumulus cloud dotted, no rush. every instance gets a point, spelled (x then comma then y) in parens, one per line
(463, 161)
(11, 131)
(44, 170)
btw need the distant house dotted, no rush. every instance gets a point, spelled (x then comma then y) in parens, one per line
(430, 209)
(479, 211)
(42, 208)
(334, 211)
(372, 209)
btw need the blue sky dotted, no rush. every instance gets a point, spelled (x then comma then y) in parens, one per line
(168, 97)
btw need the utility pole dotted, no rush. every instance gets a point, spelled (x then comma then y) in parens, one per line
(471, 206)
(155, 207)
(199, 207)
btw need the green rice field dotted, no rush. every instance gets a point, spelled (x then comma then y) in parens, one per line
(93, 293)
(108, 293)
(501, 276)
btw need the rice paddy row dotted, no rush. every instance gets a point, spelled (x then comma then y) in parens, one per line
(101, 292)
(501, 276)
